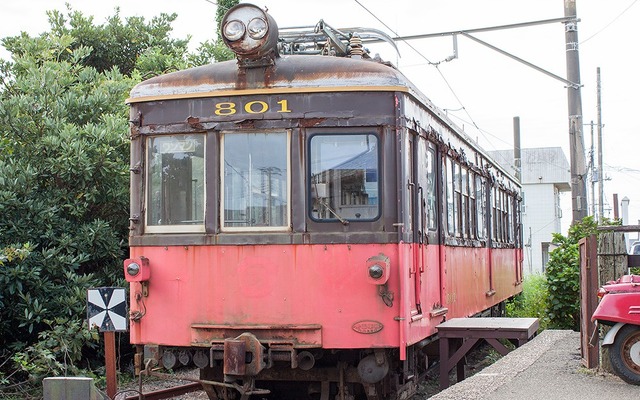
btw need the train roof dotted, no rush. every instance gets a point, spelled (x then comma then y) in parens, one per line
(290, 74)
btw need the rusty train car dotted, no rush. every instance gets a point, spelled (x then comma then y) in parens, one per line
(307, 219)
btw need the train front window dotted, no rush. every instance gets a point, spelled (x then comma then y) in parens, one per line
(344, 177)
(255, 176)
(175, 185)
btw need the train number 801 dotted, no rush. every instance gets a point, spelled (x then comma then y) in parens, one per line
(251, 107)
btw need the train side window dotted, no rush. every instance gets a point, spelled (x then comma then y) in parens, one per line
(503, 216)
(494, 214)
(464, 177)
(457, 204)
(472, 206)
(505, 213)
(255, 181)
(509, 219)
(344, 177)
(175, 184)
(431, 190)
(481, 208)
(450, 210)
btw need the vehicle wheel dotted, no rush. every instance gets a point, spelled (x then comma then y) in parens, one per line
(625, 354)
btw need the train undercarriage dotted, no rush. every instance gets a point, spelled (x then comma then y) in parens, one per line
(243, 369)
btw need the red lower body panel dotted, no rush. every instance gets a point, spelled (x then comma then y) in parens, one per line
(313, 295)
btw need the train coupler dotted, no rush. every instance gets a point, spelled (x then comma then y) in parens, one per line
(243, 356)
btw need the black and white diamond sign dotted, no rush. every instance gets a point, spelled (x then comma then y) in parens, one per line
(107, 309)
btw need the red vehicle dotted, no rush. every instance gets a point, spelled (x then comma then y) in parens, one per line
(619, 307)
(304, 214)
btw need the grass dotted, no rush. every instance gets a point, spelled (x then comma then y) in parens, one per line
(532, 302)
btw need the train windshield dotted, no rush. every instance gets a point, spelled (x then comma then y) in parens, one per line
(255, 174)
(176, 185)
(344, 177)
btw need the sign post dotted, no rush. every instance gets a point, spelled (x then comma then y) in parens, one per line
(107, 309)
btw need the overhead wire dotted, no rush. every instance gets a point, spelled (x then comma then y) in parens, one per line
(471, 120)
(611, 22)
(453, 92)
(433, 64)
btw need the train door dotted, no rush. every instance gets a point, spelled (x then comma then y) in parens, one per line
(426, 279)
(416, 218)
(427, 227)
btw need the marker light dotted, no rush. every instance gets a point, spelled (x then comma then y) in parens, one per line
(233, 30)
(133, 269)
(137, 269)
(376, 271)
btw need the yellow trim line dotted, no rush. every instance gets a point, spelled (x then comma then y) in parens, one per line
(271, 91)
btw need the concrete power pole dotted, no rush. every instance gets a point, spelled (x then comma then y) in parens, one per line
(593, 177)
(517, 151)
(600, 166)
(576, 140)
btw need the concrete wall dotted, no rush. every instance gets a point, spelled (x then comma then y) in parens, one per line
(71, 388)
(541, 218)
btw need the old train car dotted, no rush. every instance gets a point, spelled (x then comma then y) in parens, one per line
(308, 219)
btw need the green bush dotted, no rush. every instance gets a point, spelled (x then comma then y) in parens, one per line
(64, 182)
(563, 276)
(532, 302)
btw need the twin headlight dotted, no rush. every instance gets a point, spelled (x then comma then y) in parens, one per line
(256, 28)
(249, 31)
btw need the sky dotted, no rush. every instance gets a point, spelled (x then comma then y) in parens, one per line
(481, 90)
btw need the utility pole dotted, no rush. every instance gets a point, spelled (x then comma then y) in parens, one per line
(593, 176)
(517, 151)
(576, 141)
(600, 166)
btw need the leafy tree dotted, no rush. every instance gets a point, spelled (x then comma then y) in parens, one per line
(63, 199)
(563, 276)
(116, 43)
(64, 179)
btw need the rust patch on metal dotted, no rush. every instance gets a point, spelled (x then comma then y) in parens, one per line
(367, 327)
(234, 357)
(311, 122)
(246, 124)
(194, 122)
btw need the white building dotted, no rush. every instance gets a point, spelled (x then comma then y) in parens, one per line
(545, 174)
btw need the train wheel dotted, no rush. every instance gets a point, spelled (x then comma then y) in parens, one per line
(625, 354)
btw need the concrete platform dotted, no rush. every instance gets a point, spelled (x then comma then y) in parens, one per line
(547, 367)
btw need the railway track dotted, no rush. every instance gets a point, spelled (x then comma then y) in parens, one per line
(156, 389)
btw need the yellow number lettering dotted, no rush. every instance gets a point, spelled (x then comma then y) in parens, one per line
(225, 108)
(263, 107)
(284, 106)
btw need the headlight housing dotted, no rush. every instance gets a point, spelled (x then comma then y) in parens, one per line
(251, 34)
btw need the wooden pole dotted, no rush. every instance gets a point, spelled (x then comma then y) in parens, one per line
(110, 363)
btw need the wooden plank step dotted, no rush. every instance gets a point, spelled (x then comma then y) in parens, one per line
(457, 337)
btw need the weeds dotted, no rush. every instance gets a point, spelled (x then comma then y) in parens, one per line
(532, 302)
